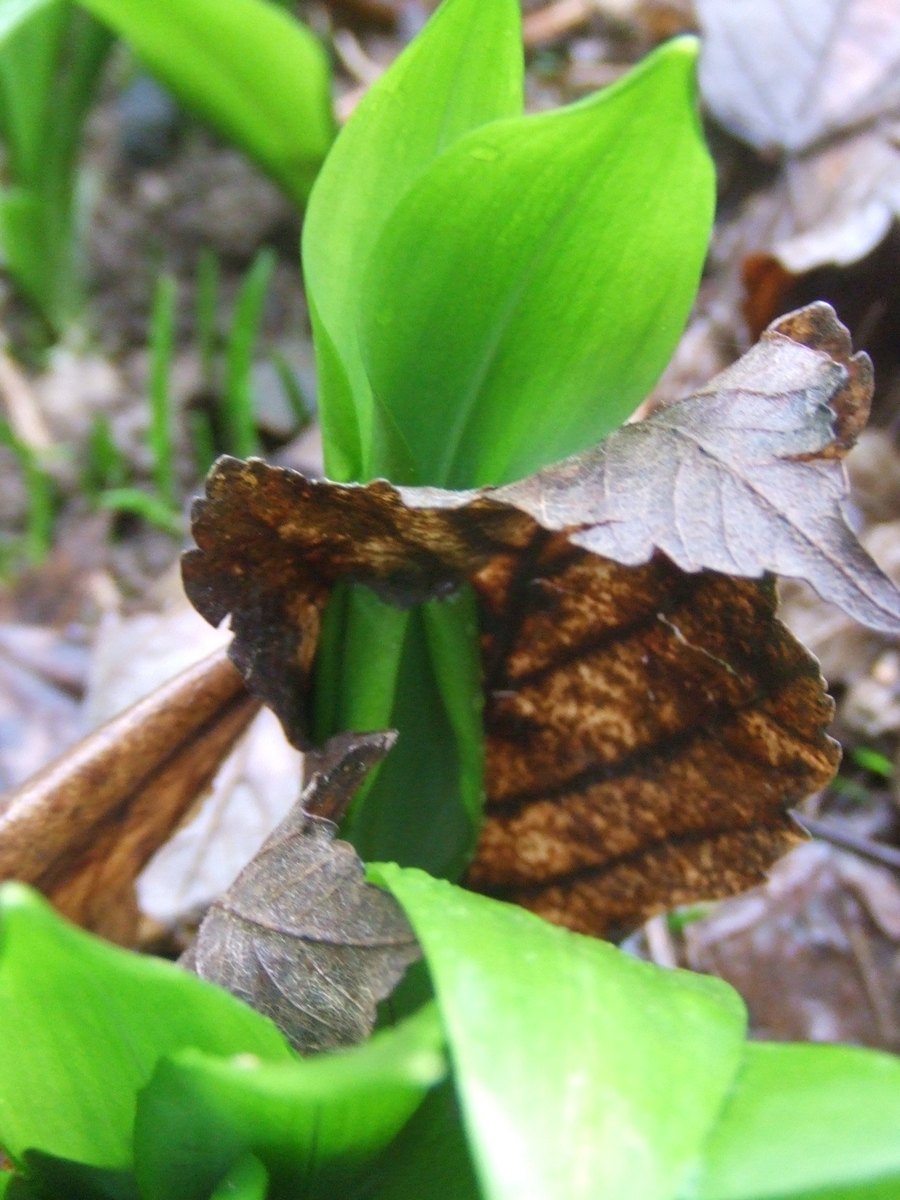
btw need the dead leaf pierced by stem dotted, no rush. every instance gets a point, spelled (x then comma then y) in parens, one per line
(648, 721)
(300, 935)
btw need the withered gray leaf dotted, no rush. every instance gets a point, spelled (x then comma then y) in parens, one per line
(744, 477)
(300, 935)
(648, 721)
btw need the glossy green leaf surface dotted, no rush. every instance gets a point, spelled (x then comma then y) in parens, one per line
(250, 69)
(463, 70)
(313, 1124)
(84, 1027)
(581, 1071)
(806, 1123)
(525, 294)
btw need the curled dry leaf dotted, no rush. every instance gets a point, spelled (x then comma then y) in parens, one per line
(648, 720)
(300, 935)
(82, 829)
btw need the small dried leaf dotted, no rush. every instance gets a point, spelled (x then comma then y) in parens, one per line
(300, 935)
(83, 828)
(648, 721)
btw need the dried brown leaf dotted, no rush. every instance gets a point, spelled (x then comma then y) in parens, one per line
(648, 720)
(83, 828)
(300, 935)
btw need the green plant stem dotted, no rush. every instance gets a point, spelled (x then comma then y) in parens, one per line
(240, 418)
(50, 64)
(40, 490)
(206, 314)
(162, 348)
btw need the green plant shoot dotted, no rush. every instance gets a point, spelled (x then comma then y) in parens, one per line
(580, 1071)
(249, 68)
(51, 57)
(489, 292)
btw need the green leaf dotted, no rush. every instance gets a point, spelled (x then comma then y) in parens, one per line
(581, 1071)
(249, 304)
(34, 254)
(430, 1159)
(806, 1123)
(464, 69)
(528, 290)
(255, 73)
(314, 1124)
(53, 1177)
(14, 13)
(51, 57)
(29, 51)
(84, 1027)
(247, 1180)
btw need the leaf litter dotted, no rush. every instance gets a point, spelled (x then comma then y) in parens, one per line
(813, 85)
(810, 185)
(83, 828)
(814, 954)
(717, 327)
(256, 786)
(300, 935)
(649, 722)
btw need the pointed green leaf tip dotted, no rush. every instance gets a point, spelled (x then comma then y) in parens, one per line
(531, 286)
(464, 69)
(248, 67)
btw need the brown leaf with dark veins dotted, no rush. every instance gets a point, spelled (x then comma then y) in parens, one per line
(300, 935)
(648, 720)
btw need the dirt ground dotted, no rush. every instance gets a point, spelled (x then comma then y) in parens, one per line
(816, 953)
